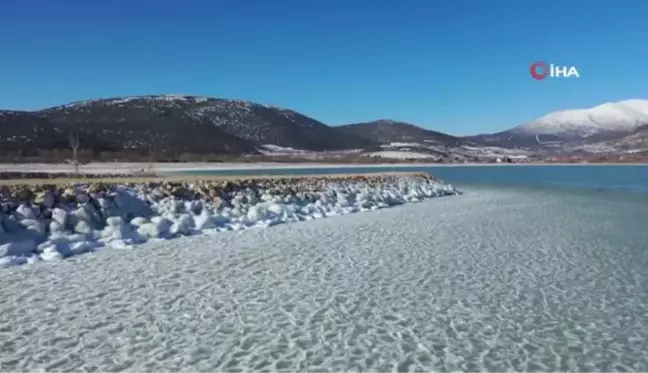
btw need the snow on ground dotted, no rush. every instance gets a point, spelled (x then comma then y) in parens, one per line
(395, 154)
(494, 151)
(494, 280)
(124, 100)
(427, 150)
(424, 148)
(276, 150)
(131, 216)
(402, 145)
(603, 148)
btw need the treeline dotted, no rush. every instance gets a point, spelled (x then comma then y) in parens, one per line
(86, 156)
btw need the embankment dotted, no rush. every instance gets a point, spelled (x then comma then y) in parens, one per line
(58, 218)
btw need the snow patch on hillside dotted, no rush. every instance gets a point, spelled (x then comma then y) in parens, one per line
(276, 150)
(395, 154)
(401, 145)
(414, 150)
(129, 99)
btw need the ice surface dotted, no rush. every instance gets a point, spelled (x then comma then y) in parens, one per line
(130, 216)
(491, 280)
(126, 167)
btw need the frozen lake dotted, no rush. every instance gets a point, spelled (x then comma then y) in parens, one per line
(497, 279)
(622, 178)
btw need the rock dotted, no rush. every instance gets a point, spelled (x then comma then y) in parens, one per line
(203, 191)
(158, 193)
(256, 213)
(77, 248)
(97, 188)
(25, 195)
(183, 225)
(181, 192)
(5, 192)
(159, 227)
(25, 212)
(60, 216)
(114, 221)
(51, 252)
(116, 229)
(129, 213)
(195, 207)
(83, 227)
(68, 195)
(139, 221)
(82, 197)
(45, 198)
(22, 248)
(204, 221)
(35, 226)
(56, 227)
(150, 230)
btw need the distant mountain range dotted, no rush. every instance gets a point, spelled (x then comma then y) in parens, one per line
(388, 131)
(574, 128)
(170, 125)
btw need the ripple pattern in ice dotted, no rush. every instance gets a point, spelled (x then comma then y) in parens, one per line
(492, 280)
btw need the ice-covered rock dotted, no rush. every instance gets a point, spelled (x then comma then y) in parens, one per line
(20, 248)
(76, 220)
(26, 212)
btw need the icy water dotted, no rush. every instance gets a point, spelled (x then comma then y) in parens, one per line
(530, 277)
(632, 178)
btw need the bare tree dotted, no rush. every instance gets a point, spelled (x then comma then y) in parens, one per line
(74, 144)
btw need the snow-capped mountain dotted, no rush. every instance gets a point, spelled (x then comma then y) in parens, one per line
(171, 127)
(622, 116)
(567, 129)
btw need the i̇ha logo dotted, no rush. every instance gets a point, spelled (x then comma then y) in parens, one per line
(541, 70)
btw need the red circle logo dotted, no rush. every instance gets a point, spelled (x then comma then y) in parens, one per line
(539, 70)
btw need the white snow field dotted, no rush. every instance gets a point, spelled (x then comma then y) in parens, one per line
(495, 280)
(131, 215)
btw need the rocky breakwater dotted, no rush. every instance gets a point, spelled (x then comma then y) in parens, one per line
(53, 222)
(18, 175)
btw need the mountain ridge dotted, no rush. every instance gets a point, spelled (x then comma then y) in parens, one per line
(573, 128)
(388, 130)
(170, 124)
(175, 124)
(618, 116)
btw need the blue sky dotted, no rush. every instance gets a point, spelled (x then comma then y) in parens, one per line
(456, 66)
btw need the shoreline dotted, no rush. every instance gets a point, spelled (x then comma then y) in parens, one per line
(181, 177)
(53, 221)
(133, 167)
